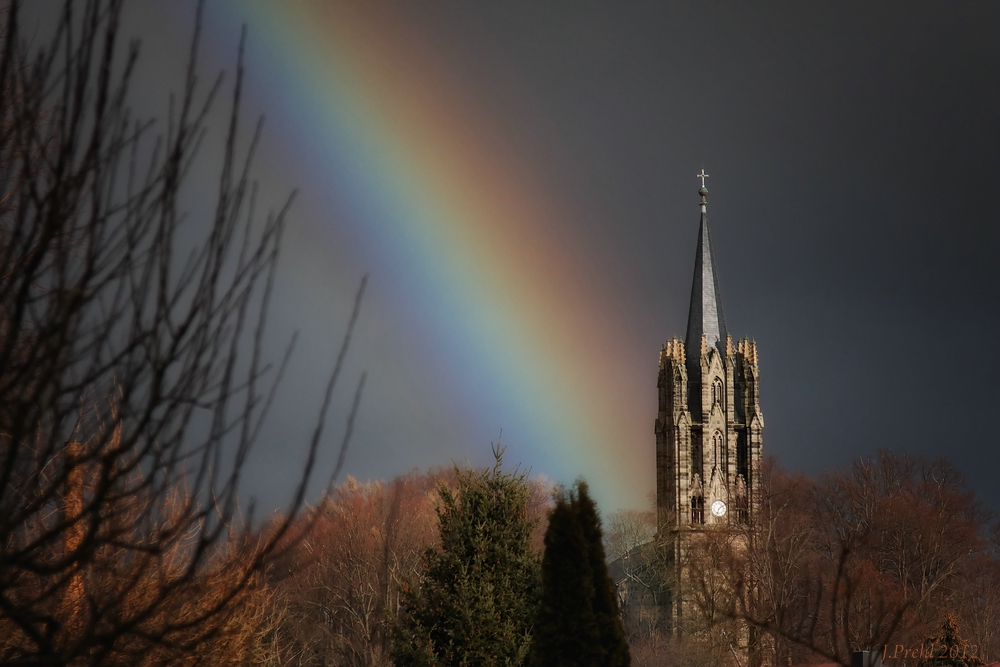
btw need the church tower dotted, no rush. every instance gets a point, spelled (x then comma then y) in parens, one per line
(708, 427)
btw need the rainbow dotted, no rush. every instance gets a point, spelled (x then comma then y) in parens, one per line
(445, 196)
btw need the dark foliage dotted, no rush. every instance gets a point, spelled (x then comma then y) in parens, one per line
(578, 623)
(605, 603)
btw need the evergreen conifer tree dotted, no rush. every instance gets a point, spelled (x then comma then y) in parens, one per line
(566, 632)
(477, 600)
(578, 624)
(948, 649)
(605, 603)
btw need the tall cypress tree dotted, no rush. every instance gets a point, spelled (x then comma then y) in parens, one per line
(477, 600)
(578, 624)
(566, 632)
(605, 604)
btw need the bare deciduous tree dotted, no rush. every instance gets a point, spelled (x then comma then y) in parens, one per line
(339, 586)
(132, 378)
(862, 558)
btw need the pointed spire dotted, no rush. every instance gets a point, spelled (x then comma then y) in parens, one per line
(705, 317)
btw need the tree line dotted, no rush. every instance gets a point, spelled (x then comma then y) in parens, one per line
(496, 569)
(876, 555)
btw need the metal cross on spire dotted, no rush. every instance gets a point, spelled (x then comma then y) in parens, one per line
(702, 176)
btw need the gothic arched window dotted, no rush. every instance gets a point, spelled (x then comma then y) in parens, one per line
(718, 394)
(742, 454)
(742, 514)
(717, 450)
(698, 509)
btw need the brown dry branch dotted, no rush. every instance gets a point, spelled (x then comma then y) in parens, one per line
(132, 378)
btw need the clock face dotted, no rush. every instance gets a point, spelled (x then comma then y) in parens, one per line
(719, 508)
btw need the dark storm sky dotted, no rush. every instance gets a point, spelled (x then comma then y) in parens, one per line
(854, 158)
(856, 155)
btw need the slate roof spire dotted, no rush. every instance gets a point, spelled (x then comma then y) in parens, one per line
(705, 316)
